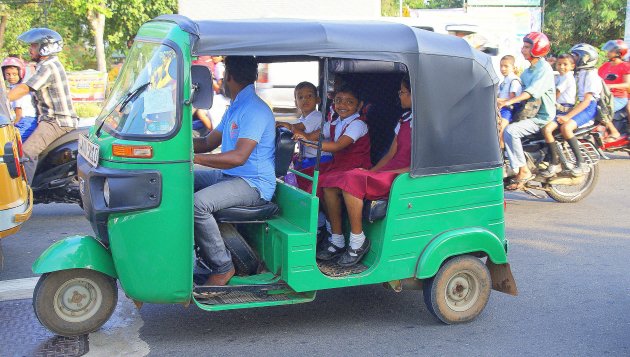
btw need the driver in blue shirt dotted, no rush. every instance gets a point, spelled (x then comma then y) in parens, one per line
(243, 173)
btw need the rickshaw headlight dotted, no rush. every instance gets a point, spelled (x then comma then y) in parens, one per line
(106, 192)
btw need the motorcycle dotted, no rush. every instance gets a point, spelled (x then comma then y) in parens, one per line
(622, 144)
(563, 187)
(56, 179)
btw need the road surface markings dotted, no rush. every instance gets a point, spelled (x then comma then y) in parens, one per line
(17, 289)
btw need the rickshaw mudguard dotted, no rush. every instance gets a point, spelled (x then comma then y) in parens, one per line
(458, 242)
(76, 252)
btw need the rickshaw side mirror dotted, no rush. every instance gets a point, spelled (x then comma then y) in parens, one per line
(201, 83)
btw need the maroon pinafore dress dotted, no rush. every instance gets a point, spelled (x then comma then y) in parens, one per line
(374, 185)
(355, 155)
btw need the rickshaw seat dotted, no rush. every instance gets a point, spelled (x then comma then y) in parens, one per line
(285, 148)
(374, 210)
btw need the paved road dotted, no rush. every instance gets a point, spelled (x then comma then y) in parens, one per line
(569, 260)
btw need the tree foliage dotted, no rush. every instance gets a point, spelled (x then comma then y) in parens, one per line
(592, 21)
(71, 19)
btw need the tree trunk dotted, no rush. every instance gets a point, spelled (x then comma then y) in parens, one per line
(3, 26)
(97, 25)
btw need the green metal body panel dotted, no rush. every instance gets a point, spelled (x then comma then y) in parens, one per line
(77, 252)
(458, 242)
(419, 210)
(152, 249)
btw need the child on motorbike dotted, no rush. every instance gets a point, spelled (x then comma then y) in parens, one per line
(306, 100)
(565, 84)
(13, 70)
(355, 185)
(589, 88)
(616, 75)
(508, 89)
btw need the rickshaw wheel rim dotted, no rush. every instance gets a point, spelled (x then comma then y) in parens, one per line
(462, 291)
(77, 300)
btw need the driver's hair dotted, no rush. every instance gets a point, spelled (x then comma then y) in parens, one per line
(243, 69)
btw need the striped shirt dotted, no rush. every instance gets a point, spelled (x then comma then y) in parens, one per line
(51, 93)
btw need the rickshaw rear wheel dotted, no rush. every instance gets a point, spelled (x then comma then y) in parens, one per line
(459, 291)
(74, 302)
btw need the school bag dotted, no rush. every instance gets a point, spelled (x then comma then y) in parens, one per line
(605, 105)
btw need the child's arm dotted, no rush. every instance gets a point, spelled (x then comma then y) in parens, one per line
(290, 126)
(557, 94)
(561, 119)
(334, 146)
(385, 159)
(299, 134)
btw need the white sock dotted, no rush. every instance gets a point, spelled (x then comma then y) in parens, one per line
(321, 219)
(329, 228)
(356, 240)
(338, 240)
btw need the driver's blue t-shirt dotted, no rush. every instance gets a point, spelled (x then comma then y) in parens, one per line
(249, 117)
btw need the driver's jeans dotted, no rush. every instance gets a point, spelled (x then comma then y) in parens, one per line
(215, 191)
(45, 133)
(512, 138)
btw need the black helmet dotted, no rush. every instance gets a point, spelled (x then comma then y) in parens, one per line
(50, 42)
(585, 56)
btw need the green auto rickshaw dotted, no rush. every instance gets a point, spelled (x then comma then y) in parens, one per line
(442, 229)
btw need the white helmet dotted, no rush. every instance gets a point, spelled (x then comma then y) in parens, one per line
(50, 42)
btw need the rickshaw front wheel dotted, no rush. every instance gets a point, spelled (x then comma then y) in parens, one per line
(74, 302)
(459, 291)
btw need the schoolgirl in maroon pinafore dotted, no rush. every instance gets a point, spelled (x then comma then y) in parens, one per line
(351, 187)
(354, 155)
(374, 185)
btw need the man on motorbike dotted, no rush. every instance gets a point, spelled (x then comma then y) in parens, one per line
(51, 94)
(538, 83)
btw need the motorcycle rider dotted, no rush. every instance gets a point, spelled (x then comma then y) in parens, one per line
(51, 94)
(616, 75)
(538, 83)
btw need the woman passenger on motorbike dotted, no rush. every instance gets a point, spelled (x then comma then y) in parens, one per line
(616, 74)
(356, 185)
(589, 90)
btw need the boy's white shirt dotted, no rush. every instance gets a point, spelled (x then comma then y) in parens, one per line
(511, 84)
(355, 129)
(565, 84)
(26, 104)
(311, 123)
(588, 81)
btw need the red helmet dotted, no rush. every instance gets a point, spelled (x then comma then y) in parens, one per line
(540, 43)
(616, 45)
(14, 62)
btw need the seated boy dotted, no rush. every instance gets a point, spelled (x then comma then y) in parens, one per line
(306, 100)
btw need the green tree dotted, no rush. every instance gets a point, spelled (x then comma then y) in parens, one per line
(592, 21)
(391, 7)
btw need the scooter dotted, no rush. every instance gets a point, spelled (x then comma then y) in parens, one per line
(563, 187)
(56, 179)
(622, 144)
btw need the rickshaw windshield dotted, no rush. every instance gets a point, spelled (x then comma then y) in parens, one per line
(5, 113)
(142, 101)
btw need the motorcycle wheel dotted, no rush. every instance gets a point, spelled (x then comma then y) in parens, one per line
(570, 194)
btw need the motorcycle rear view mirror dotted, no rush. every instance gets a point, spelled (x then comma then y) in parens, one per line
(202, 92)
(611, 77)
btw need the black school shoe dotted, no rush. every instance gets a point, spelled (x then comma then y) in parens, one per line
(352, 256)
(324, 253)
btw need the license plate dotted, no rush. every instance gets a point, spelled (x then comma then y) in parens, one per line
(88, 150)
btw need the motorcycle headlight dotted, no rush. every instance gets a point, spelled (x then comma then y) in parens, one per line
(106, 192)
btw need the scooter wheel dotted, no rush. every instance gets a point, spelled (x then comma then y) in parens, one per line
(74, 302)
(459, 291)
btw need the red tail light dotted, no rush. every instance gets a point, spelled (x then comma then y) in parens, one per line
(19, 147)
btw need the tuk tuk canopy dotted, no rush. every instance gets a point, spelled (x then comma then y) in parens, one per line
(453, 85)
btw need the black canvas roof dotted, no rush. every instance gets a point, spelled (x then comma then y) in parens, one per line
(454, 125)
